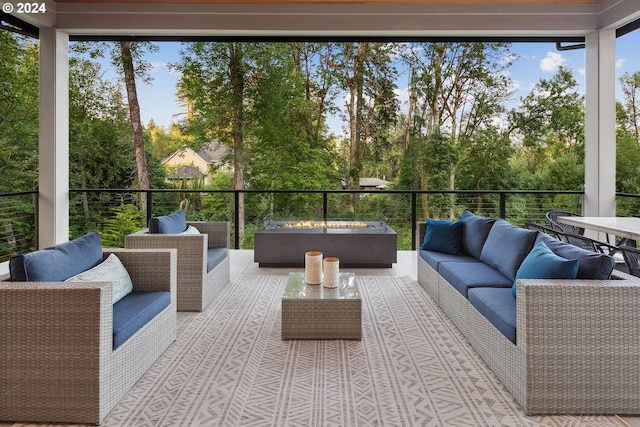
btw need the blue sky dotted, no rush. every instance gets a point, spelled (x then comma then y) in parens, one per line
(535, 61)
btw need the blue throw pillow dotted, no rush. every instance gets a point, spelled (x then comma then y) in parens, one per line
(506, 247)
(443, 236)
(173, 223)
(474, 232)
(542, 263)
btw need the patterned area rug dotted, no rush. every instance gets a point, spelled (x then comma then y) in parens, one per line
(229, 367)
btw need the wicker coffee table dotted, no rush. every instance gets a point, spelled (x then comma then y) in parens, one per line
(314, 312)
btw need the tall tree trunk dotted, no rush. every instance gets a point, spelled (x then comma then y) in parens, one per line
(237, 83)
(356, 106)
(136, 123)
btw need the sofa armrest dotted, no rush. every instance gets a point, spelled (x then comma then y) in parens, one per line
(149, 269)
(218, 232)
(53, 337)
(554, 314)
(581, 341)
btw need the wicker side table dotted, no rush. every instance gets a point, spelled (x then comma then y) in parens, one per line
(314, 312)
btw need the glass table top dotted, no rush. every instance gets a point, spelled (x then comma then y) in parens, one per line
(298, 289)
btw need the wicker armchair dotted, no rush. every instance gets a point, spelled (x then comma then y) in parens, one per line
(197, 284)
(56, 341)
(631, 259)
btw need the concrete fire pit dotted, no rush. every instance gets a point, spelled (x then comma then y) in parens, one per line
(356, 244)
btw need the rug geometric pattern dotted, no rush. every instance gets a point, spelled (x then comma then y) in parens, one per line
(229, 367)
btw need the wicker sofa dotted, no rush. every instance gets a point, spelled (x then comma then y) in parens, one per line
(560, 346)
(69, 354)
(204, 265)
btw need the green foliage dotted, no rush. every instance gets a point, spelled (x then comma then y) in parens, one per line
(286, 92)
(19, 96)
(124, 219)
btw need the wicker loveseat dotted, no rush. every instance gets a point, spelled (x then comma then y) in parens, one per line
(560, 346)
(204, 265)
(69, 353)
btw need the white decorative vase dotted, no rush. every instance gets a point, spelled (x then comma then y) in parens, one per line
(331, 272)
(313, 267)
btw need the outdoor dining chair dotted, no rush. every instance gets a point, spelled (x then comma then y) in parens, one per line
(631, 257)
(541, 228)
(552, 217)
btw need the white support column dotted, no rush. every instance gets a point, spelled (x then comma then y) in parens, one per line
(53, 223)
(600, 126)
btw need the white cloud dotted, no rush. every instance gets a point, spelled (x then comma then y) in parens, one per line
(551, 62)
(582, 71)
(620, 62)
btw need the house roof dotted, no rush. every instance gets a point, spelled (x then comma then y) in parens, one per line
(214, 152)
(211, 154)
(373, 182)
(188, 172)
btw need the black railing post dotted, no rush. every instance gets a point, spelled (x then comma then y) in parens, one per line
(149, 206)
(325, 206)
(414, 222)
(236, 219)
(503, 205)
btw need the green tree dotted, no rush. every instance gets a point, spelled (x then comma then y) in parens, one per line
(548, 128)
(367, 76)
(284, 153)
(19, 97)
(457, 90)
(630, 84)
(128, 57)
(214, 81)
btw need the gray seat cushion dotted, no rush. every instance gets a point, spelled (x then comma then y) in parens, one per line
(506, 247)
(58, 263)
(215, 256)
(498, 306)
(467, 275)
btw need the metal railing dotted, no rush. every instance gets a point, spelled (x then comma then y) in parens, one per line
(114, 213)
(18, 223)
(117, 212)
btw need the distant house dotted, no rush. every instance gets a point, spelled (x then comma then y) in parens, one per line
(191, 166)
(368, 184)
(373, 184)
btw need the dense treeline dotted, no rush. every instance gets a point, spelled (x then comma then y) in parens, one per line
(270, 104)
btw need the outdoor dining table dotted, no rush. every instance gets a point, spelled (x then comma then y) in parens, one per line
(628, 228)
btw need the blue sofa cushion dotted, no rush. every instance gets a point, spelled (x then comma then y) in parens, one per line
(466, 275)
(591, 265)
(498, 306)
(58, 263)
(443, 236)
(506, 247)
(134, 311)
(542, 263)
(434, 259)
(215, 256)
(474, 232)
(173, 223)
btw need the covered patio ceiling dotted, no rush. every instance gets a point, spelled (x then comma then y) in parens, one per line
(374, 18)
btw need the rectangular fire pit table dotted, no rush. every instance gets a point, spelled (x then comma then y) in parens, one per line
(314, 312)
(372, 246)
